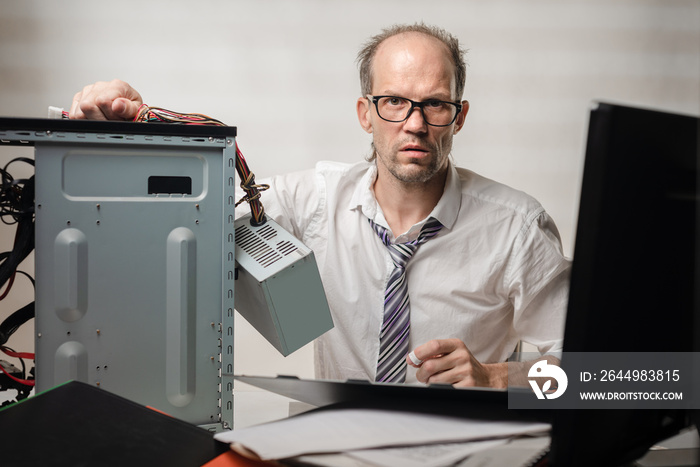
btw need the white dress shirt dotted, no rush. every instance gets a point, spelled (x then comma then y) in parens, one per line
(495, 273)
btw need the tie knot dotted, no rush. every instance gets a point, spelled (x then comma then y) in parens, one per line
(402, 252)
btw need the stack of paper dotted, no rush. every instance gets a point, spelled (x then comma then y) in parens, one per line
(382, 437)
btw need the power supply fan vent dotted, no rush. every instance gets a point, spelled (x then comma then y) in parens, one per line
(286, 247)
(267, 232)
(255, 245)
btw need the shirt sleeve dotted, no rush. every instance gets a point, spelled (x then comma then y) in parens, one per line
(537, 278)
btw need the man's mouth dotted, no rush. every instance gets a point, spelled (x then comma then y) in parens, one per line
(414, 149)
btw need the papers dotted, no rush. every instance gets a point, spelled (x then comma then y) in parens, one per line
(429, 455)
(494, 453)
(344, 430)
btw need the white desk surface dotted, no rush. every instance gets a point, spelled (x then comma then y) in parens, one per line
(251, 406)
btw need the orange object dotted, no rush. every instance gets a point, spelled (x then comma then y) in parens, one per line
(233, 459)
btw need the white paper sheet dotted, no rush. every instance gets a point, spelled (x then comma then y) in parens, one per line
(427, 455)
(353, 429)
(511, 452)
(517, 452)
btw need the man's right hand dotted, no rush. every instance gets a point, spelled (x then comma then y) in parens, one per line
(114, 100)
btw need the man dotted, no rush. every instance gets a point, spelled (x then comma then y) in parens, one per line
(483, 266)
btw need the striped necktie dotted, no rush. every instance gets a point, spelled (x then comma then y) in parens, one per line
(393, 338)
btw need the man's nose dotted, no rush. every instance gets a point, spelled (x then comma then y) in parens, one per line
(415, 122)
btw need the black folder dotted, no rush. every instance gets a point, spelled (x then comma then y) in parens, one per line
(475, 402)
(77, 424)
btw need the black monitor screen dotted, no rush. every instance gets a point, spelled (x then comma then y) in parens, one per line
(633, 277)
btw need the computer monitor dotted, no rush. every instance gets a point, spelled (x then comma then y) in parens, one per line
(634, 274)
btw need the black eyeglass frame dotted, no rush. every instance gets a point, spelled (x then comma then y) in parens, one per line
(414, 104)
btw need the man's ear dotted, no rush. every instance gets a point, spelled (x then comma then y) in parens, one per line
(461, 118)
(363, 114)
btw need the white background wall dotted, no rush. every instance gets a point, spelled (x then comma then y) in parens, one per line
(284, 73)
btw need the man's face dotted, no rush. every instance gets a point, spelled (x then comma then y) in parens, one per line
(417, 67)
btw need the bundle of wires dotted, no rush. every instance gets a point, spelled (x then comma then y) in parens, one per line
(252, 190)
(16, 208)
(160, 115)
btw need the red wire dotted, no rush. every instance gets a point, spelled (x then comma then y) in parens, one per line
(17, 354)
(26, 382)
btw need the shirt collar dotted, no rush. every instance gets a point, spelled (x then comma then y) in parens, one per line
(445, 211)
(363, 197)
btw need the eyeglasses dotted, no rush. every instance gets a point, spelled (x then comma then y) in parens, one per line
(397, 109)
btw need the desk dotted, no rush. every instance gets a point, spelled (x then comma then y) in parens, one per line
(253, 406)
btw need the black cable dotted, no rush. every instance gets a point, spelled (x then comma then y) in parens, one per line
(14, 321)
(21, 207)
(17, 203)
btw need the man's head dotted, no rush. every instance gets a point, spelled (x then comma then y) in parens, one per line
(366, 55)
(420, 64)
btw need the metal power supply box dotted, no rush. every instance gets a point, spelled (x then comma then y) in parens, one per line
(279, 289)
(135, 261)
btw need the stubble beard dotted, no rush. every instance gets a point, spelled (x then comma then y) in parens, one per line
(415, 173)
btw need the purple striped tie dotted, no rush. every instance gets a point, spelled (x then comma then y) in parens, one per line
(393, 338)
